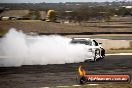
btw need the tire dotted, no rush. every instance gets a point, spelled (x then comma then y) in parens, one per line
(94, 60)
(102, 53)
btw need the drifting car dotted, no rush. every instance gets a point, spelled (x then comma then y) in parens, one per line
(94, 48)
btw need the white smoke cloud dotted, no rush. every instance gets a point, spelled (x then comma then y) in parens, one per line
(21, 49)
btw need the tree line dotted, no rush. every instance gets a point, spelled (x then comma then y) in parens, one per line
(86, 13)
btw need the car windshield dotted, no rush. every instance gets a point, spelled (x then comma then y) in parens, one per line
(81, 42)
(96, 44)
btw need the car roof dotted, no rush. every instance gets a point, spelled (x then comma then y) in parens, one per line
(81, 38)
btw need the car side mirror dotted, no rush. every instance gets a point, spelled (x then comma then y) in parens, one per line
(100, 43)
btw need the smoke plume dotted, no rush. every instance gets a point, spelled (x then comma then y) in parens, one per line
(17, 48)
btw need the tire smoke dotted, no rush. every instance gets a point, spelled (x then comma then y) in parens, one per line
(17, 49)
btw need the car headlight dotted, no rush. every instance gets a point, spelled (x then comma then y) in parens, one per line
(97, 51)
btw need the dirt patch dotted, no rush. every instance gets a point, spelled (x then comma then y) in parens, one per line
(49, 27)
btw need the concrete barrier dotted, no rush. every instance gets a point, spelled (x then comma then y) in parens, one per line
(115, 44)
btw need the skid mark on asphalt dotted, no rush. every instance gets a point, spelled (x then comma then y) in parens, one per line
(68, 86)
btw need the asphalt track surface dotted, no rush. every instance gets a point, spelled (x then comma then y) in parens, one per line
(63, 74)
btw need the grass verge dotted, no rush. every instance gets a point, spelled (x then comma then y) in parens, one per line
(2, 32)
(118, 51)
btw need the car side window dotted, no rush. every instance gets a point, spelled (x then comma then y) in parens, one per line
(88, 43)
(81, 42)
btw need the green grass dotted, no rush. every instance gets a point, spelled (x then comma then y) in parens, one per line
(2, 32)
(28, 21)
(119, 51)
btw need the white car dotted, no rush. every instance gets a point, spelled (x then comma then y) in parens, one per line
(94, 48)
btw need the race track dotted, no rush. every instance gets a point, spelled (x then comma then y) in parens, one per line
(63, 74)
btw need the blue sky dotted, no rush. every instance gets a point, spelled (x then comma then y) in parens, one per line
(52, 1)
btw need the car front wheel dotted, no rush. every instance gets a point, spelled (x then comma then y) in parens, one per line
(95, 57)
